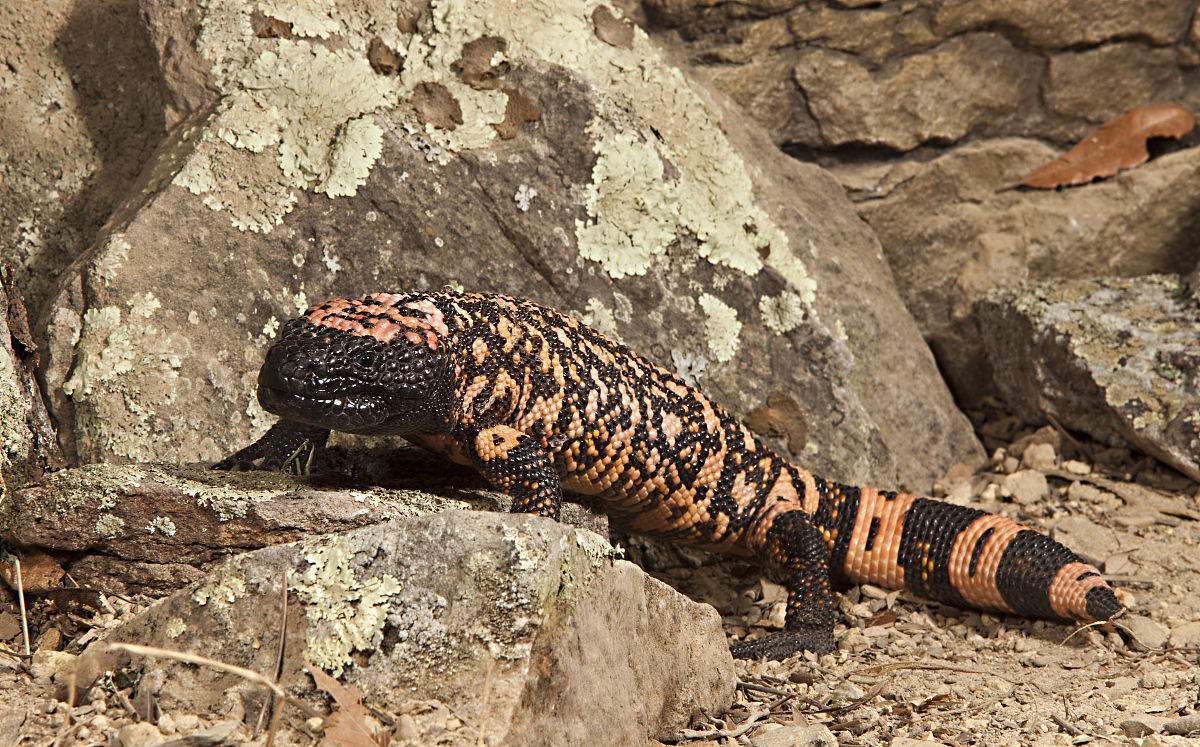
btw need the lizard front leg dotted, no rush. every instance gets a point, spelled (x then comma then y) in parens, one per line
(288, 446)
(515, 463)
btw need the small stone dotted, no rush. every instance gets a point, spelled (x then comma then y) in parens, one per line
(1089, 540)
(1027, 486)
(1186, 635)
(139, 735)
(795, 736)
(908, 742)
(1154, 680)
(101, 722)
(1140, 726)
(48, 663)
(1145, 631)
(1076, 467)
(316, 724)
(1182, 725)
(166, 723)
(1040, 457)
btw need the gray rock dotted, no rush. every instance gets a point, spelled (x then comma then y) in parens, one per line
(155, 527)
(1146, 632)
(1186, 635)
(521, 626)
(873, 55)
(1089, 540)
(953, 231)
(636, 200)
(1112, 358)
(795, 736)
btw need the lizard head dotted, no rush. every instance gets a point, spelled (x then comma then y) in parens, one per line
(376, 365)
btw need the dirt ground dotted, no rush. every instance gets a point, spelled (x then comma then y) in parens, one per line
(906, 672)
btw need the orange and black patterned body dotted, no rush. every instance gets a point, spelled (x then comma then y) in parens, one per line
(541, 403)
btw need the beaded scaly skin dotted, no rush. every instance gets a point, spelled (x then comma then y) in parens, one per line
(540, 403)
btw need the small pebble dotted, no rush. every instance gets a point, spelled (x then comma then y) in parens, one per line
(139, 735)
(1040, 457)
(1076, 467)
(1140, 726)
(1154, 680)
(1027, 486)
(1186, 635)
(1145, 631)
(776, 735)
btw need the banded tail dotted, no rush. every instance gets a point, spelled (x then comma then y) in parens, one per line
(962, 556)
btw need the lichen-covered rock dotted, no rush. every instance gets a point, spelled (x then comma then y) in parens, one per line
(953, 229)
(27, 441)
(82, 112)
(529, 632)
(570, 164)
(1114, 358)
(149, 527)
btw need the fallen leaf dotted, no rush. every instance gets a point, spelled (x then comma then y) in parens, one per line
(1119, 144)
(39, 572)
(351, 724)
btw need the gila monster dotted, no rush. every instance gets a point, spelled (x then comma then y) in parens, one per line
(540, 403)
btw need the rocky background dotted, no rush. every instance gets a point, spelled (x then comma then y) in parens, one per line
(811, 209)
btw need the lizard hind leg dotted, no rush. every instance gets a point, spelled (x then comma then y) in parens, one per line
(795, 554)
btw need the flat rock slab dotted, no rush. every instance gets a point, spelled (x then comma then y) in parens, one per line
(1114, 358)
(471, 627)
(156, 527)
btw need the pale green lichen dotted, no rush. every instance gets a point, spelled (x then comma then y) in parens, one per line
(721, 327)
(222, 587)
(103, 354)
(162, 525)
(601, 318)
(120, 364)
(634, 211)
(303, 102)
(144, 305)
(175, 627)
(783, 313)
(346, 614)
(109, 526)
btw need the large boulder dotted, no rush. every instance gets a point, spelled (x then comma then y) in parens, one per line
(819, 75)
(544, 150)
(527, 631)
(1114, 358)
(953, 229)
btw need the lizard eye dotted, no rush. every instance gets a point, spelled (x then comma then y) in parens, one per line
(367, 360)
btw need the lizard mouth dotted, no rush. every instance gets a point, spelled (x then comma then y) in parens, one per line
(350, 412)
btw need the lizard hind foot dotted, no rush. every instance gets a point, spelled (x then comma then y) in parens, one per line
(782, 644)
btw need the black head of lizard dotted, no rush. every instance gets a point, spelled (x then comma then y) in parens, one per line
(347, 366)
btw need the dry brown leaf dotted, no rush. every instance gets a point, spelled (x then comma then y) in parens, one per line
(39, 572)
(351, 724)
(1119, 144)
